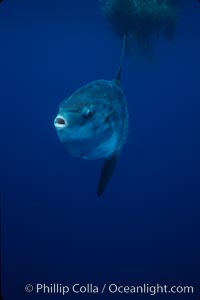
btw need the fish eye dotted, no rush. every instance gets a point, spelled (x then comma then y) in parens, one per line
(87, 113)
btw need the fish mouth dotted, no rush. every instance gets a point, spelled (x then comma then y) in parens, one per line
(60, 122)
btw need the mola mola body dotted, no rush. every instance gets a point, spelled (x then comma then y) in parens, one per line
(93, 123)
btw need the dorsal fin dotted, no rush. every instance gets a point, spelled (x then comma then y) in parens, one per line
(118, 75)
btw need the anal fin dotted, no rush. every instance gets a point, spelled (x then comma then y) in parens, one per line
(106, 173)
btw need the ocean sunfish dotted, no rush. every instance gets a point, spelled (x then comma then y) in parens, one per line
(93, 123)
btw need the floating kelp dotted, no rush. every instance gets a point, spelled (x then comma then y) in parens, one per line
(141, 20)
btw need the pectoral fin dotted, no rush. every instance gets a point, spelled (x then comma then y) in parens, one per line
(106, 173)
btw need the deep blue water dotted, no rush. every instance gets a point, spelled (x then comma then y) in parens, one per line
(146, 227)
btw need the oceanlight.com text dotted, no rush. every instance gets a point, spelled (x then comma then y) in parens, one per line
(107, 288)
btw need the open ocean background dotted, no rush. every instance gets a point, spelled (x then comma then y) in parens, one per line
(146, 227)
